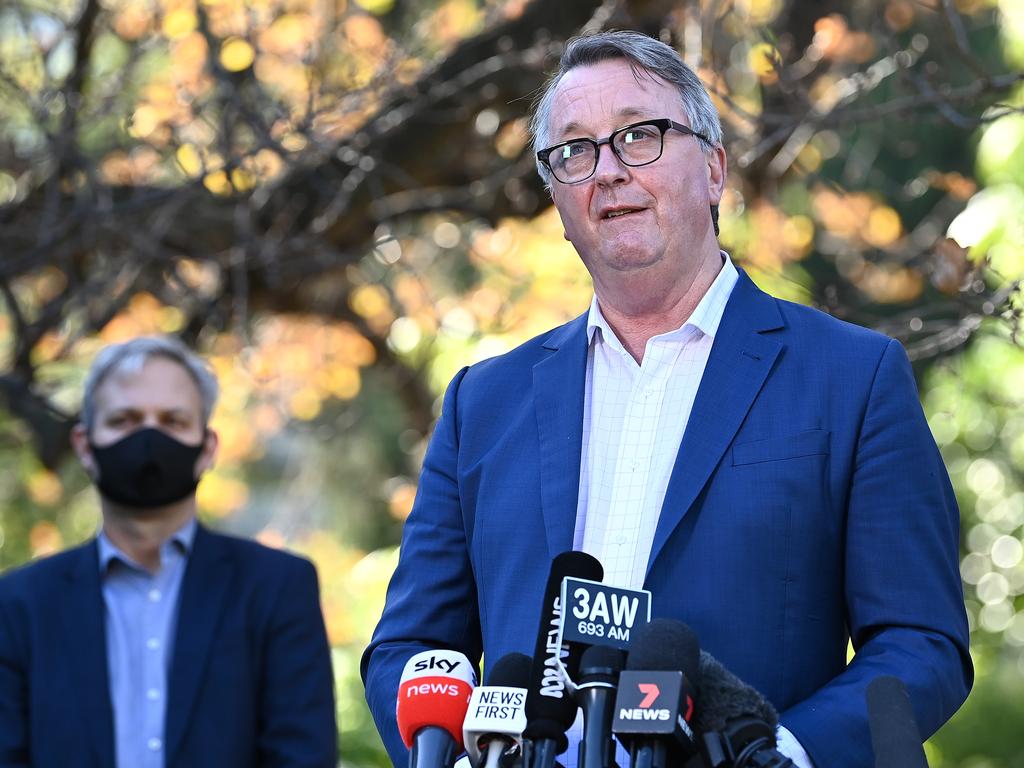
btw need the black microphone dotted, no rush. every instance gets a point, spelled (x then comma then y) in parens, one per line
(493, 729)
(550, 708)
(737, 722)
(655, 701)
(598, 680)
(895, 737)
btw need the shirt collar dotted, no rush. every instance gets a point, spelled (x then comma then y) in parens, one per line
(182, 539)
(706, 316)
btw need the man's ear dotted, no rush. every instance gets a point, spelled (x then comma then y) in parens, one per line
(206, 457)
(82, 449)
(717, 170)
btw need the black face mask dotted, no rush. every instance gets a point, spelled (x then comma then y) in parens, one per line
(147, 469)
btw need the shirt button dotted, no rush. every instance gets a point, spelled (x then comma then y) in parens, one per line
(620, 539)
(154, 595)
(152, 694)
(153, 644)
(154, 744)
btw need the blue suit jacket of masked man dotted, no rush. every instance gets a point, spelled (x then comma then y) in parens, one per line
(249, 684)
(808, 505)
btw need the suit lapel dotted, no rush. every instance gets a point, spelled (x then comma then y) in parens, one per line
(558, 390)
(85, 649)
(740, 361)
(203, 591)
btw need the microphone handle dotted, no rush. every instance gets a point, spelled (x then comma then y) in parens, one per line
(492, 758)
(597, 749)
(432, 747)
(544, 753)
(652, 754)
(500, 753)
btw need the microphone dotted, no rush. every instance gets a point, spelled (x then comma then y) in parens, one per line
(598, 679)
(737, 722)
(655, 701)
(550, 709)
(432, 700)
(493, 730)
(895, 737)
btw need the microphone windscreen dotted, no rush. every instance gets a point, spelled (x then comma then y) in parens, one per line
(724, 697)
(895, 737)
(496, 710)
(601, 664)
(511, 670)
(668, 645)
(550, 710)
(434, 691)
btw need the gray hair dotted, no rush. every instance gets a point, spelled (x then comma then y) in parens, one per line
(130, 356)
(644, 54)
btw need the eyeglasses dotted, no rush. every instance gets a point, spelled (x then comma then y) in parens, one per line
(638, 144)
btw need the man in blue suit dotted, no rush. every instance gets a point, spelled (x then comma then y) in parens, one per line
(161, 643)
(764, 469)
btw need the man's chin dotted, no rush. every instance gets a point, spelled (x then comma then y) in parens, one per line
(631, 262)
(158, 512)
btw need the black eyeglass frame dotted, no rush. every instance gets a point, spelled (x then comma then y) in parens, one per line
(663, 124)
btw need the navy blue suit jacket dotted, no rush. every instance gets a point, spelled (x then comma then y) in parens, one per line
(250, 681)
(808, 505)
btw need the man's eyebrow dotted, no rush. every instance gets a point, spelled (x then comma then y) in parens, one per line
(121, 410)
(626, 114)
(124, 410)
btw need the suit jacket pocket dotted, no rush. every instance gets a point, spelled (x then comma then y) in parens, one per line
(813, 442)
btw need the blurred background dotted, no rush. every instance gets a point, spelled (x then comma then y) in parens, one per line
(336, 202)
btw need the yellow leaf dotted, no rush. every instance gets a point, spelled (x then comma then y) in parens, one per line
(761, 59)
(236, 54)
(219, 495)
(44, 488)
(343, 382)
(884, 226)
(798, 232)
(242, 180)
(763, 11)
(305, 404)
(179, 23)
(170, 319)
(44, 538)
(217, 182)
(291, 33)
(364, 32)
(810, 158)
(132, 22)
(370, 301)
(377, 7)
(189, 159)
(144, 121)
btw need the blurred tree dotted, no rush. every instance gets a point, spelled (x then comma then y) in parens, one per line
(336, 201)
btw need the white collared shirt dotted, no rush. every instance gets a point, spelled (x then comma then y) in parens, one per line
(634, 417)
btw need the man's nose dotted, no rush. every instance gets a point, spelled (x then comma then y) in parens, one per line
(610, 169)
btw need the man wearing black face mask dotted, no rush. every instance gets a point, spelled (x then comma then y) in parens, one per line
(161, 643)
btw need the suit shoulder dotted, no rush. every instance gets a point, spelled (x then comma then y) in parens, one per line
(522, 358)
(259, 557)
(36, 576)
(820, 325)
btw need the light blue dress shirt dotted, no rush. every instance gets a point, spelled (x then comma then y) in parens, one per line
(141, 617)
